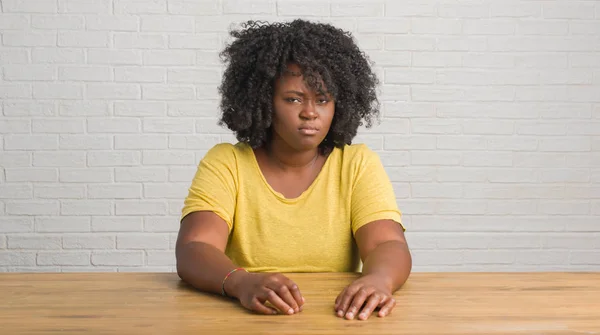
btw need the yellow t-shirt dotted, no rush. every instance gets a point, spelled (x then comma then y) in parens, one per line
(310, 233)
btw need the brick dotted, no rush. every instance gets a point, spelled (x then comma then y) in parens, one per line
(58, 126)
(87, 269)
(412, 142)
(477, 127)
(15, 91)
(202, 142)
(181, 174)
(115, 191)
(34, 242)
(62, 224)
(29, 39)
(83, 39)
(511, 207)
(194, 76)
(58, 159)
(462, 142)
(116, 224)
(112, 22)
(166, 191)
(383, 25)
(85, 142)
(16, 224)
(57, 55)
(409, 109)
(514, 175)
(435, 158)
(411, 174)
(581, 27)
(537, 128)
(516, 9)
(197, 41)
(169, 57)
(140, 207)
(436, 94)
(29, 108)
(478, 77)
(140, 6)
(369, 41)
(374, 142)
(84, 108)
(540, 44)
(390, 58)
(210, 126)
(80, 241)
(463, 174)
(354, 9)
(29, 73)
(565, 144)
(583, 93)
(572, 10)
(192, 108)
(564, 77)
(436, 59)
(303, 8)
(150, 269)
(63, 258)
(139, 41)
(57, 91)
(579, 160)
(32, 207)
(59, 22)
(490, 191)
(436, 26)
(118, 258)
(140, 75)
(86, 207)
(588, 128)
(143, 241)
(564, 207)
(541, 60)
(175, 207)
(490, 257)
(167, 92)
(435, 126)
(489, 27)
(140, 174)
(585, 257)
(539, 159)
(85, 73)
(395, 92)
(489, 94)
(85, 175)
(139, 108)
(168, 158)
(17, 258)
(167, 125)
(113, 91)
(583, 60)
(491, 159)
(14, 126)
(542, 27)
(113, 125)
(158, 23)
(59, 191)
(84, 6)
(409, 76)
(161, 224)
(542, 257)
(129, 142)
(16, 191)
(435, 190)
(14, 55)
(114, 57)
(564, 175)
(389, 126)
(15, 159)
(30, 6)
(488, 60)
(473, 44)
(31, 175)
(506, 143)
(438, 257)
(191, 7)
(161, 258)
(113, 158)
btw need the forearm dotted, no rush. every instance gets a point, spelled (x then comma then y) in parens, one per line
(204, 267)
(391, 261)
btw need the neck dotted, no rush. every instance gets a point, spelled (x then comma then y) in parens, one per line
(288, 158)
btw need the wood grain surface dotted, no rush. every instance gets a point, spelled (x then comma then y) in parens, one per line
(429, 303)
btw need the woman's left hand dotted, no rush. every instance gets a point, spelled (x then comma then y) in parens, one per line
(370, 291)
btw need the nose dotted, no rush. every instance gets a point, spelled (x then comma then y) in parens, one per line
(309, 111)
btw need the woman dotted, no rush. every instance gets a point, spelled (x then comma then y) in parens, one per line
(294, 195)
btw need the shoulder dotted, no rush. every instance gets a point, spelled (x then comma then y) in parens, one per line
(358, 155)
(227, 153)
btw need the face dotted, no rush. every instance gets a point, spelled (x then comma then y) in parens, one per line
(302, 116)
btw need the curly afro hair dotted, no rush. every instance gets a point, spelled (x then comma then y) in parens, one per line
(261, 52)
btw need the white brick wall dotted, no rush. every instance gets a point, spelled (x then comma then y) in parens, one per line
(490, 130)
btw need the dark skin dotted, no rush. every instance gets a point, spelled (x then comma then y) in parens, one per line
(290, 163)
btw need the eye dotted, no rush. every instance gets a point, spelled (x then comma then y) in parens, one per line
(292, 100)
(323, 101)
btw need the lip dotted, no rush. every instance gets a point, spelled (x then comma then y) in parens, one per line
(307, 130)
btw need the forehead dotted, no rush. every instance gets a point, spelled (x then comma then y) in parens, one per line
(293, 79)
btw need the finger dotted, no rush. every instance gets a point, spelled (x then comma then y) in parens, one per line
(346, 299)
(259, 307)
(372, 302)
(276, 301)
(284, 293)
(357, 302)
(295, 291)
(338, 300)
(387, 307)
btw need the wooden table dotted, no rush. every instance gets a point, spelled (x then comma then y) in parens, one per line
(430, 303)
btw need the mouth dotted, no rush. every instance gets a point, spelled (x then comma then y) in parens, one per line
(308, 130)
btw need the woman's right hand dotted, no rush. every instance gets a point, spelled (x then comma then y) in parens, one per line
(254, 290)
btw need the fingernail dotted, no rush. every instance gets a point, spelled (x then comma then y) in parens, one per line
(297, 310)
(350, 315)
(291, 311)
(363, 316)
(340, 313)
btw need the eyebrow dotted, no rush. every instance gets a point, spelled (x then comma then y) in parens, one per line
(295, 92)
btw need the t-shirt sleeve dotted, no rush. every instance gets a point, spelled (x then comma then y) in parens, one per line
(373, 196)
(214, 187)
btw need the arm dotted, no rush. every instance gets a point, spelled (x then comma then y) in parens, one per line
(386, 266)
